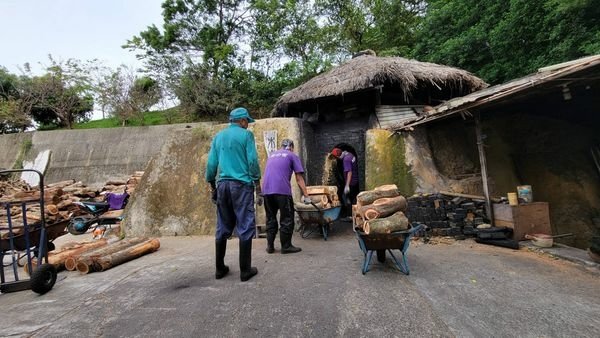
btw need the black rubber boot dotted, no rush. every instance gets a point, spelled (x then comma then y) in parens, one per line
(220, 249)
(270, 243)
(286, 244)
(246, 270)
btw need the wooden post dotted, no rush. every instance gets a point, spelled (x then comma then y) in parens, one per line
(483, 163)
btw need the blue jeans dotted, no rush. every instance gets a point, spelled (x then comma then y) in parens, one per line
(235, 209)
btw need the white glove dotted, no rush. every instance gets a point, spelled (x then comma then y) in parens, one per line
(346, 190)
(306, 200)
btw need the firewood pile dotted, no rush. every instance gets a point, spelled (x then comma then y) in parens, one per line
(58, 200)
(100, 255)
(380, 211)
(322, 196)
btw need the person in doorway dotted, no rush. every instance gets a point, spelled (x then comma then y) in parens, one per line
(277, 192)
(233, 154)
(350, 170)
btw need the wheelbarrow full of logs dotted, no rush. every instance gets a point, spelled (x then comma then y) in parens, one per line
(317, 219)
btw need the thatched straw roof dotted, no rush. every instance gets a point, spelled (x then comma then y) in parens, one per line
(369, 71)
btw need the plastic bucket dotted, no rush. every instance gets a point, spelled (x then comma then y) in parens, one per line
(525, 193)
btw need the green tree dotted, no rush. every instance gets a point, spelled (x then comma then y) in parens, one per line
(503, 39)
(15, 106)
(126, 95)
(63, 94)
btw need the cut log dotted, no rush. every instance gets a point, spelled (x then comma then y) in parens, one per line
(116, 182)
(321, 190)
(106, 262)
(52, 209)
(370, 196)
(84, 262)
(64, 203)
(61, 184)
(473, 197)
(383, 207)
(323, 199)
(308, 207)
(58, 259)
(395, 222)
(387, 187)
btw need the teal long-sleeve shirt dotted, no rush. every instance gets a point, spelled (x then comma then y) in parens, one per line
(233, 152)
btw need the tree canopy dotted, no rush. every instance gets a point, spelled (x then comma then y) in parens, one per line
(213, 55)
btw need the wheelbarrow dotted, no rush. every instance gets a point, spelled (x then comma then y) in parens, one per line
(380, 243)
(319, 219)
(33, 240)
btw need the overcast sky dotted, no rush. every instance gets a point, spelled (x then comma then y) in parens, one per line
(80, 29)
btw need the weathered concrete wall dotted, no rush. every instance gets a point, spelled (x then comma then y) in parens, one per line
(173, 197)
(92, 156)
(407, 161)
(11, 146)
(553, 156)
(386, 161)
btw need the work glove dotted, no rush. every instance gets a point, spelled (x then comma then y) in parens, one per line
(306, 200)
(259, 199)
(346, 190)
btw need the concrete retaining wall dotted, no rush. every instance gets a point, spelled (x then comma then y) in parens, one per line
(11, 145)
(92, 156)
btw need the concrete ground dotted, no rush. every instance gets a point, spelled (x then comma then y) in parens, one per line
(455, 289)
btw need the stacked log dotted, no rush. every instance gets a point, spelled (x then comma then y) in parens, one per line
(59, 258)
(322, 196)
(115, 254)
(380, 210)
(58, 199)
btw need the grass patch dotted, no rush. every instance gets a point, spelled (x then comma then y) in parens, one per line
(153, 118)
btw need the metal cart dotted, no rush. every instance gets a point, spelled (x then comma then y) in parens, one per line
(320, 219)
(33, 241)
(381, 243)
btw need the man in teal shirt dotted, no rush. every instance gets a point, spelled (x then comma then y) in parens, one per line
(233, 153)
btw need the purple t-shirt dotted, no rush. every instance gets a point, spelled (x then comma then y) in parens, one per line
(280, 166)
(350, 164)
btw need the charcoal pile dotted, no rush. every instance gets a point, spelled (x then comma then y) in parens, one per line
(445, 215)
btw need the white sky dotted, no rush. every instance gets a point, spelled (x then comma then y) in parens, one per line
(80, 29)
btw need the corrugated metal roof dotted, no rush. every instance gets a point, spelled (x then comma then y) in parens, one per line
(388, 116)
(502, 91)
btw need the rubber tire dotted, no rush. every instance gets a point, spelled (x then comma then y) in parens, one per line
(43, 279)
(381, 256)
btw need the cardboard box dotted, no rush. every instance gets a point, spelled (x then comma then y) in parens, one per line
(530, 218)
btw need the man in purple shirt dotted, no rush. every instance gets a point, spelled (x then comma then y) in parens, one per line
(277, 192)
(350, 168)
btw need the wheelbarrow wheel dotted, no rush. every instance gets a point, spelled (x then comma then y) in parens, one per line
(381, 256)
(43, 279)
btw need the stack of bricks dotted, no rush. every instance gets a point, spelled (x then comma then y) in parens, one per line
(446, 215)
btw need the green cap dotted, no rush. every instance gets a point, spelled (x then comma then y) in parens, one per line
(240, 113)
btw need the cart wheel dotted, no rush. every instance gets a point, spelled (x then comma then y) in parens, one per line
(381, 256)
(43, 279)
